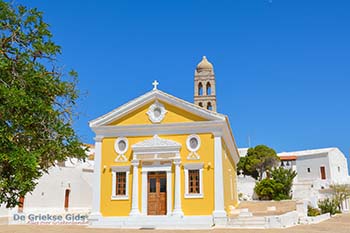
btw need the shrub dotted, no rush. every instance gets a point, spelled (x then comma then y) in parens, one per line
(278, 188)
(312, 212)
(265, 189)
(329, 206)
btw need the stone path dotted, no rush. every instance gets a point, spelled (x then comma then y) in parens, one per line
(337, 224)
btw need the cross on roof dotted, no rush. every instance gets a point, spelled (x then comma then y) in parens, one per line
(155, 84)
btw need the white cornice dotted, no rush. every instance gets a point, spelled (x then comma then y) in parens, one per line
(217, 127)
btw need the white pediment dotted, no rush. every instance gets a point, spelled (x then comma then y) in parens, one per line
(153, 97)
(156, 143)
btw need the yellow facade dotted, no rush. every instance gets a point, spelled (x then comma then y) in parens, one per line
(200, 206)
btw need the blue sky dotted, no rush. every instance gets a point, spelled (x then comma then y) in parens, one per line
(282, 67)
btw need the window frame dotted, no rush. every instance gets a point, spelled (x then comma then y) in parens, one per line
(194, 166)
(116, 169)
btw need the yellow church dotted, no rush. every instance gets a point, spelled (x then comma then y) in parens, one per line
(162, 162)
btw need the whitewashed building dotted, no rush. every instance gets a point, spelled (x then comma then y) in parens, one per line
(328, 165)
(66, 187)
(316, 170)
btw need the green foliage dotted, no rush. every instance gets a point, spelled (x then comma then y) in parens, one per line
(278, 187)
(284, 177)
(258, 160)
(37, 103)
(312, 212)
(265, 189)
(340, 192)
(329, 206)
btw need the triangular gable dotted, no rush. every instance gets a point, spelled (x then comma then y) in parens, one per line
(149, 98)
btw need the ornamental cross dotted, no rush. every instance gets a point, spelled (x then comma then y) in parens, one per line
(155, 84)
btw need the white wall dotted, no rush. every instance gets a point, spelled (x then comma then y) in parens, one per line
(50, 191)
(245, 185)
(313, 162)
(338, 166)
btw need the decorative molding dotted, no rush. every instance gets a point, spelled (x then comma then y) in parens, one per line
(120, 168)
(174, 129)
(156, 144)
(194, 166)
(115, 169)
(148, 98)
(121, 152)
(98, 138)
(156, 112)
(193, 151)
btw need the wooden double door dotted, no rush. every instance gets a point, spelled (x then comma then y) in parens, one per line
(157, 202)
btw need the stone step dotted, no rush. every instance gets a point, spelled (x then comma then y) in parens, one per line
(247, 222)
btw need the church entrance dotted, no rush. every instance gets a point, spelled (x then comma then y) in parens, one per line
(157, 196)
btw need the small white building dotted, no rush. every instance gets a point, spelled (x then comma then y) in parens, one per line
(328, 165)
(66, 187)
(317, 170)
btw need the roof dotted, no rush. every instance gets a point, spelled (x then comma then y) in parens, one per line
(149, 97)
(307, 152)
(284, 158)
(212, 119)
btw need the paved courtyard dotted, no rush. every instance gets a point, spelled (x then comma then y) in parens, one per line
(337, 224)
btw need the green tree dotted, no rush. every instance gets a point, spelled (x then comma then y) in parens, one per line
(266, 189)
(37, 103)
(278, 187)
(258, 160)
(284, 177)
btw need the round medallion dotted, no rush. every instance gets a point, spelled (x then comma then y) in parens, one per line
(121, 145)
(193, 143)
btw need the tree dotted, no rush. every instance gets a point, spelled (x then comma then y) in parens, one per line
(340, 193)
(284, 177)
(258, 160)
(37, 103)
(278, 187)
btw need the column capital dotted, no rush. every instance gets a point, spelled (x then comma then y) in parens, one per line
(177, 161)
(135, 162)
(98, 138)
(217, 133)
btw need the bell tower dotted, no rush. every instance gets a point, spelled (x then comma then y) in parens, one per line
(204, 85)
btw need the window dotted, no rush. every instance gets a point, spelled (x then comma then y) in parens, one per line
(200, 89)
(308, 170)
(200, 104)
(338, 169)
(209, 106)
(20, 204)
(66, 199)
(193, 180)
(120, 181)
(120, 184)
(208, 89)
